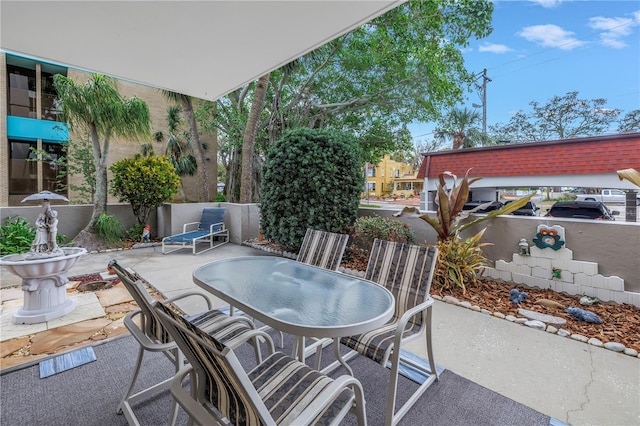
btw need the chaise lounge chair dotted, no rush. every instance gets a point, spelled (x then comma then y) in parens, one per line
(210, 228)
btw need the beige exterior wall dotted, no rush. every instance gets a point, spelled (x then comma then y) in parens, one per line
(119, 148)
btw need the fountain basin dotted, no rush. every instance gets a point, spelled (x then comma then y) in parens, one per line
(43, 284)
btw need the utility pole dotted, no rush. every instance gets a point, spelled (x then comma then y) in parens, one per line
(485, 80)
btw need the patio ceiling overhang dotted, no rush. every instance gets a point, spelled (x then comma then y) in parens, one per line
(204, 49)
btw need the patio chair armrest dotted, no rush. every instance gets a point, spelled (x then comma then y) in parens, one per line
(404, 319)
(196, 411)
(141, 337)
(190, 224)
(222, 227)
(189, 294)
(330, 393)
(233, 344)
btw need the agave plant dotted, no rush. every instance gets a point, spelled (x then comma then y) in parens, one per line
(460, 261)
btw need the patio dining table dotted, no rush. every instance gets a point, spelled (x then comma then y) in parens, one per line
(299, 299)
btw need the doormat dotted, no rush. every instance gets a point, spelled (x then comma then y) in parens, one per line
(66, 361)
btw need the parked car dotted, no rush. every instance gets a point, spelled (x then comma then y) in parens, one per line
(529, 209)
(581, 210)
(494, 205)
(607, 196)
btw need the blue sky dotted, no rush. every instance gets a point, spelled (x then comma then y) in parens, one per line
(544, 48)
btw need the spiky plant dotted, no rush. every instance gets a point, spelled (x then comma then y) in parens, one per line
(460, 261)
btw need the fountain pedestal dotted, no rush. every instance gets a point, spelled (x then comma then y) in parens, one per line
(43, 284)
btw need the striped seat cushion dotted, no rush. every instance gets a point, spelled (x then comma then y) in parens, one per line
(287, 387)
(322, 249)
(283, 386)
(374, 344)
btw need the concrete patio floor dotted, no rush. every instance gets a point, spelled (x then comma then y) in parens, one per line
(571, 381)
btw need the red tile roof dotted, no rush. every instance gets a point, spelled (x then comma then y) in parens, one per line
(593, 155)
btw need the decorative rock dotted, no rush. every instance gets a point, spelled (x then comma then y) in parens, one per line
(465, 304)
(564, 333)
(510, 318)
(630, 352)
(549, 319)
(521, 320)
(595, 342)
(588, 300)
(435, 296)
(582, 315)
(614, 346)
(548, 303)
(580, 338)
(517, 296)
(551, 329)
(536, 324)
(451, 299)
(476, 308)
(499, 315)
(485, 311)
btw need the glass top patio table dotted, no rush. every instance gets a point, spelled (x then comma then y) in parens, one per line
(297, 298)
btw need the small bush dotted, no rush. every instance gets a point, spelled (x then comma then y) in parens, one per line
(220, 198)
(16, 236)
(366, 229)
(108, 229)
(135, 232)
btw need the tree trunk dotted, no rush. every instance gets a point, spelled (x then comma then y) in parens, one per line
(249, 138)
(87, 238)
(190, 117)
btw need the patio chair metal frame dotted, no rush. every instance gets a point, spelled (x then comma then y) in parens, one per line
(407, 271)
(210, 228)
(145, 327)
(279, 390)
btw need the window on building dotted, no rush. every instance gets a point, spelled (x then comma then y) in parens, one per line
(397, 173)
(23, 170)
(22, 92)
(371, 186)
(371, 172)
(49, 98)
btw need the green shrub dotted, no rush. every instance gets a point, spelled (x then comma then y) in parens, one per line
(311, 179)
(16, 236)
(108, 229)
(145, 183)
(368, 228)
(135, 232)
(220, 198)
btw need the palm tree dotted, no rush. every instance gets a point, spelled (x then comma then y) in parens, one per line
(190, 117)
(98, 108)
(460, 126)
(179, 149)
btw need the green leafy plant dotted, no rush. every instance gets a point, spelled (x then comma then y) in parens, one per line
(311, 179)
(16, 236)
(145, 183)
(135, 232)
(460, 261)
(108, 229)
(220, 198)
(367, 228)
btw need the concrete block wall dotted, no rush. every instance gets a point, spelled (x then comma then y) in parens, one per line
(576, 277)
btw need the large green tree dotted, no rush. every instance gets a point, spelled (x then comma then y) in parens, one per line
(562, 117)
(96, 107)
(401, 67)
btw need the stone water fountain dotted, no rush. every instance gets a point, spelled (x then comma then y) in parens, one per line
(44, 268)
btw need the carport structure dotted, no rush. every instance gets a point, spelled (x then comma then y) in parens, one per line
(583, 162)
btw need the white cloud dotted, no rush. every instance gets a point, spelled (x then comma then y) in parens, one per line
(550, 36)
(547, 4)
(494, 48)
(614, 30)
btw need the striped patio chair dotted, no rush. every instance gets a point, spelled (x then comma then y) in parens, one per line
(152, 336)
(210, 228)
(278, 391)
(323, 249)
(406, 271)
